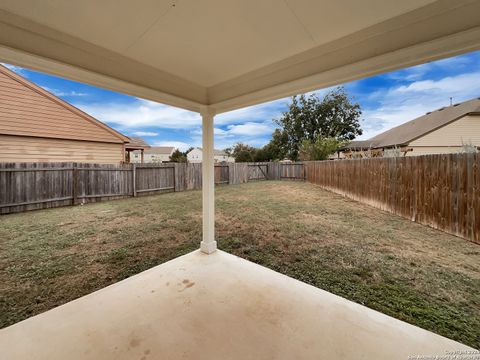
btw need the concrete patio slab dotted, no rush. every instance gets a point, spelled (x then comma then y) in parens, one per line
(216, 306)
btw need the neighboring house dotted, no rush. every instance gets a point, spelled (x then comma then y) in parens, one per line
(155, 154)
(451, 129)
(135, 150)
(195, 156)
(37, 126)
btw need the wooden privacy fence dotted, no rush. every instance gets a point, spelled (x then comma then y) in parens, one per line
(441, 191)
(292, 171)
(257, 171)
(30, 186)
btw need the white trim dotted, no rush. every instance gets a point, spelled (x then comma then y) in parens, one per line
(23, 59)
(456, 44)
(208, 245)
(430, 32)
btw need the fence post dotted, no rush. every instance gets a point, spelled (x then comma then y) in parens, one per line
(175, 175)
(134, 179)
(74, 184)
(230, 167)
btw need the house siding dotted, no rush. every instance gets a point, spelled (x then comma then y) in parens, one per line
(25, 111)
(432, 150)
(465, 130)
(194, 156)
(136, 157)
(34, 149)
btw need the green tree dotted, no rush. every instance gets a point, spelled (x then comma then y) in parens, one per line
(335, 116)
(243, 153)
(261, 155)
(319, 149)
(178, 156)
(276, 149)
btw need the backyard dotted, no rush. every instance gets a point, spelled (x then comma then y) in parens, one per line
(403, 269)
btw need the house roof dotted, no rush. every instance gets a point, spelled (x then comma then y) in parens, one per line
(215, 151)
(230, 54)
(219, 152)
(431, 121)
(62, 109)
(136, 143)
(160, 150)
(357, 145)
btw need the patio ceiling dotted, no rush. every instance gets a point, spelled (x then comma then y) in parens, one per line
(227, 54)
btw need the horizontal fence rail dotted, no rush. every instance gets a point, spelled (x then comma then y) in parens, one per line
(31, 186)
(441, 191)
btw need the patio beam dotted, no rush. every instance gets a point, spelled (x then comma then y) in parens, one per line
(208, 244)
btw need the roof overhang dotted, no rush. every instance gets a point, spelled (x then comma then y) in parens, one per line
(129, 147)
(368, 40)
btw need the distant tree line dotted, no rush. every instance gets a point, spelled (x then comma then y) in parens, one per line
(311, 129)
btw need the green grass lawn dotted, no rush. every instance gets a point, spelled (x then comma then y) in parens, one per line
(406, 270)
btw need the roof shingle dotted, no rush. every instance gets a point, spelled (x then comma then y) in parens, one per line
(406, 133)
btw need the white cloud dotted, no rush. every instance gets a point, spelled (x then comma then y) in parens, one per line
(216, 132)
(418, 72)
(407, 102)
(451, 84)
(413, 73)
(223, 143)
(143, 113)
(182, 146)
(262, 112)
(251, 129)
(250, 125)
(63, 93)
(145, 133)
(15, 68)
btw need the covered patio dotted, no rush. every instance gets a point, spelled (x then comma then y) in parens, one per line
(216, 306)
(211, 57)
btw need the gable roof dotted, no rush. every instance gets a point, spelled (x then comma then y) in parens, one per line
(431, 121)
(215, 151)
(162, 150)
(30, 110)
(136, 143)
(219, 152)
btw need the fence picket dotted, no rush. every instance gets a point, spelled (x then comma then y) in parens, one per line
(440, 191)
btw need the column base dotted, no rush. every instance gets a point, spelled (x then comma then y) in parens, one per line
(208, 247)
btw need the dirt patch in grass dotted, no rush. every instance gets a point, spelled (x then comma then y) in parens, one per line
(406, 270)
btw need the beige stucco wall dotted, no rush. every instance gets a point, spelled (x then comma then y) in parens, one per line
(36, 149)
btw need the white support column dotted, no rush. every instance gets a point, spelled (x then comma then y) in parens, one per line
(208, 245)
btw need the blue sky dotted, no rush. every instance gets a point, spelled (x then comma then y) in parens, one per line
(387, 100)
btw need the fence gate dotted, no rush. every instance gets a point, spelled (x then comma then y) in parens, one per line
(292, 171)
(222, 174)
(257, 172)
